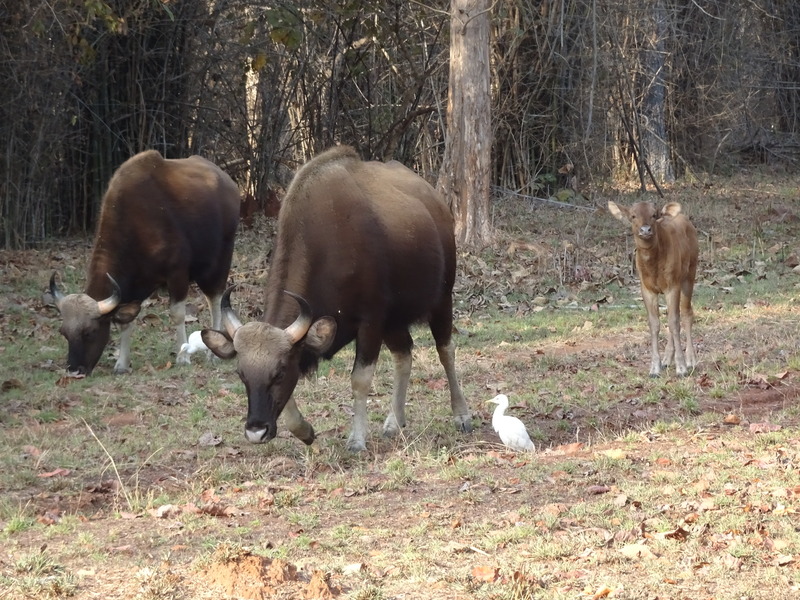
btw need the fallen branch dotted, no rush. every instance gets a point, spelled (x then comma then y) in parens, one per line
(542, 200)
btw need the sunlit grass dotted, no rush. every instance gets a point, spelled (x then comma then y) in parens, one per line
(36, 574)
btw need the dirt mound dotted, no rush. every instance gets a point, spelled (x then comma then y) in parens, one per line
(253, 577)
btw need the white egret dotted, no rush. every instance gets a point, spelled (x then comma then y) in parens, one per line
(195, 344)
(511, 430)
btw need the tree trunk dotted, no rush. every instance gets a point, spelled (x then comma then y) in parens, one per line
(655, 149)
(788, 99)
(466, 167)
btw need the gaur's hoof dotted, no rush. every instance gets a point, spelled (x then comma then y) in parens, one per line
(309, 438)
(356, 446)
(464, 424)
(391, 427)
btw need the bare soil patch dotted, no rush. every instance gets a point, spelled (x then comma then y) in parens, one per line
(757, 403)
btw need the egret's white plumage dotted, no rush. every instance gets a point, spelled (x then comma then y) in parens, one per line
(195, 344)
(511, 430)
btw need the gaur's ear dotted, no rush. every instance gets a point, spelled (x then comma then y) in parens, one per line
(219, 343)
(125, 313)
(619, 212)
(320, 335)
(671, 209)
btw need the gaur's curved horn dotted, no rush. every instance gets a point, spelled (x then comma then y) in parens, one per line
(229, 319)
(57, 294)
(110, 303)
(299, 328)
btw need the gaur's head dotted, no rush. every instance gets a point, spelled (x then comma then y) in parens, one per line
(268, 360)
(86, 324)
(643, 217)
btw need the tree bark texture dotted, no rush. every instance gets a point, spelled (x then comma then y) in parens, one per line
(464, 178)
(655, 148)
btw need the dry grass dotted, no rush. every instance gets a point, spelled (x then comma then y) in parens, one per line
(641, 488)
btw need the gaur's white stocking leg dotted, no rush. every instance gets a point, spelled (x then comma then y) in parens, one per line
(396, 419)
(400, 344)
(461, 414)
(216, 311)
(214, 306)
(361, 381)
(123, 364)
(177, 317)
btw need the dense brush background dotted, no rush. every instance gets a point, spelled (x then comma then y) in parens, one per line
(582, 92)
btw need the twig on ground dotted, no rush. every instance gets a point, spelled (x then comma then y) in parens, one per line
(543, 200)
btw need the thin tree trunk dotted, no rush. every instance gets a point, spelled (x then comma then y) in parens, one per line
(464, 179)
(654, 131)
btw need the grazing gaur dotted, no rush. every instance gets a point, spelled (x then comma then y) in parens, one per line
(666, 258)
(363, 251)
(163, 223)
